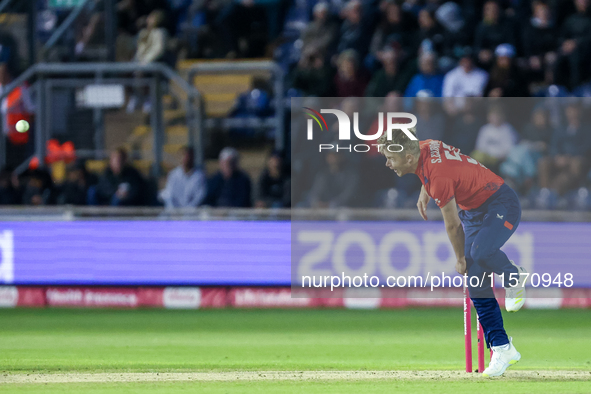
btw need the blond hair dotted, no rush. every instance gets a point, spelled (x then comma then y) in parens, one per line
(400, 139)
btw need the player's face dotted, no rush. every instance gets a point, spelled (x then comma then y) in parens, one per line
(398, 163)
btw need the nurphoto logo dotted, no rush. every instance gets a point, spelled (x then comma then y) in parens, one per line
(345, 129)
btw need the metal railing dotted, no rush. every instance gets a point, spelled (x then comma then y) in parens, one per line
(46, 75)
(277, 122)
(69, 213)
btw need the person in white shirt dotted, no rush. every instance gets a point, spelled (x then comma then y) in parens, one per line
(495, 139)
(151, 47)
(466, 80)
(186, 185)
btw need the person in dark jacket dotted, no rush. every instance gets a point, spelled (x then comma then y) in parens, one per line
(396, 25)
(430, 36)
(75, 189)
(337, 185)
(321, 34)
(506, 79)
(457, 33)
(8, 193)
(563, 169)
(312, 76)
(388, 79)
(120, 184)
(38, 187)
(355, 33)
(350, 80)
(491, 32)
(465, 127)
(572, 63)
(273, 188)
(230, 186)
(540, 40)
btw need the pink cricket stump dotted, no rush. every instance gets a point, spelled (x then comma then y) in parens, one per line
(468, 335)
(468, 331)
(480, 333)
(493, 289)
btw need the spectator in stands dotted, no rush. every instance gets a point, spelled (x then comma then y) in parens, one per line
(428, 79)
(38, 188)
(354, 32)
(388, 78)
(273, 188)
(538, 131)
(540, 40)
(321, 33)
(493, 31)
(465, 80)
(87, 33)
(9, 51)
(8, 193)
(396, 26)
(132, 14)
(131, 18)
(120, 184)
(199, 27)
(563, 169)
(151, 47)
(75, 189)
(312, 76)
(431, 36)
(336, 186)
(152, 39)
(247, 23)
(431, 120)
(186, 185)
(254, 103)
(17, 105)
(230, 186)
(506, 79)
(495, 139)
(572, 63)
(456, 36)
(521, 166)
(178, 14)
(464, 128)
(350, 80)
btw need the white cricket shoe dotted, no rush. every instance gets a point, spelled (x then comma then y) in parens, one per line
(502, 358)
(515, 295)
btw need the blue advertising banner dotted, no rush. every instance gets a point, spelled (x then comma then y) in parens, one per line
(145, 253)
(554, 254)
(260, 253)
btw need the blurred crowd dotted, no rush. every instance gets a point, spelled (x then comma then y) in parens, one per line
(120, 184)
(445, 49)
(540, 146)
(497, 48)
(429, 50)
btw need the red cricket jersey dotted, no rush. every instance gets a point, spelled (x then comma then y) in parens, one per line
(446, 173)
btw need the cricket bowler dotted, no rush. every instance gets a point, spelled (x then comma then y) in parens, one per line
(489, 214)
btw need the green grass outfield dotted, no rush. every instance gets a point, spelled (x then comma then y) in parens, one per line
(223, 342)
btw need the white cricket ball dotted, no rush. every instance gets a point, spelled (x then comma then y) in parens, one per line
(22, 126)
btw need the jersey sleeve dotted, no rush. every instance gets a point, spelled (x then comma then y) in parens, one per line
(442, 190)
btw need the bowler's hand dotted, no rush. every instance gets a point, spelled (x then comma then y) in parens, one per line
(461, 266)
(422, 203)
